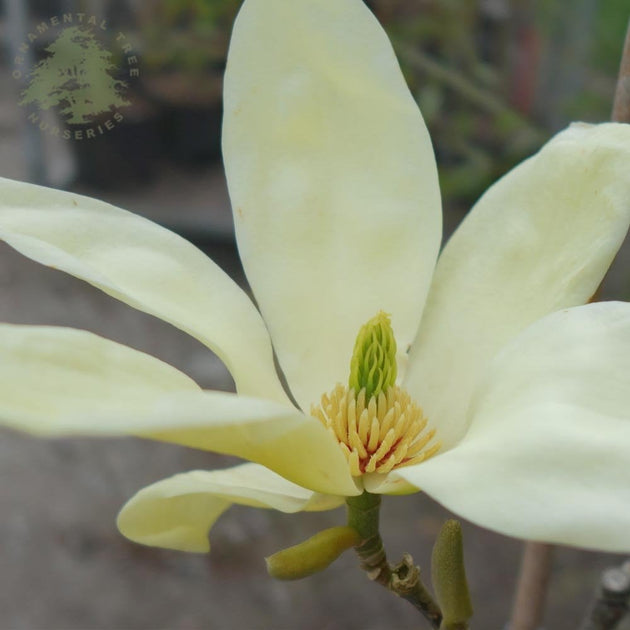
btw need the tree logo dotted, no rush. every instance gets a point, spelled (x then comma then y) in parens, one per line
(78, 78)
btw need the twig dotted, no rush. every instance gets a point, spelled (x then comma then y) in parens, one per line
(610, 605)
(402, 579)
(406, 583)
(531, 591)
(621, 105)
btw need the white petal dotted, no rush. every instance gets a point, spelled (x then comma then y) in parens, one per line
(48, 374)
(147, 267)
(389, 483)
(57, 381)
(177, 513)
(546, 456)
(332, 180)
(541, 239)
(278, 436)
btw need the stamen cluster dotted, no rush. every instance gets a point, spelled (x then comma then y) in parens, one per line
(377, 434)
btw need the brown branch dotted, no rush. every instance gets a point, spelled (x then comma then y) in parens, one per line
(610, 604)
(621, 105)
(406, 583)
(531, 591)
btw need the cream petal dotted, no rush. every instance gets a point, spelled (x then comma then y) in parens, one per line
(390, 483)
(332, 180)
(541, 239)
(546, 455)
(57, 381)
(48, 374)
(178, 512)
(146, 266)
(278, 436)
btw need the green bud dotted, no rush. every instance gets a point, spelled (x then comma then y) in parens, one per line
(373, 363)
(449, 577)
(312, 555)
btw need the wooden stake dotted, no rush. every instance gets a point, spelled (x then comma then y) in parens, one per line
(531, 591)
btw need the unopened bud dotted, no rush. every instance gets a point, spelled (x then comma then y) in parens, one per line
(449, 576)
(312, 555)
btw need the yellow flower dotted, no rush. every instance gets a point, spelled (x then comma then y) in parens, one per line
(337, 211)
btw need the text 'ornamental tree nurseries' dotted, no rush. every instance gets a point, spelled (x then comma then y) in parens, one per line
(481, 379)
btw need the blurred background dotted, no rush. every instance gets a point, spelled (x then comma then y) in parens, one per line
(494, 79)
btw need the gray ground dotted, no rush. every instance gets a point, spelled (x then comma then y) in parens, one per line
(63, 566)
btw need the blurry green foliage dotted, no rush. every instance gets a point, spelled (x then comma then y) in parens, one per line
(188, 36)
(612, 21)
(454, 59)
(201, 14)
(494, 78)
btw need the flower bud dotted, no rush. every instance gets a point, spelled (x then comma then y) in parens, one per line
(449, 576)
(312, 555)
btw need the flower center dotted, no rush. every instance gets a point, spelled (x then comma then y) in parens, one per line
(376, 423)
(378, 434)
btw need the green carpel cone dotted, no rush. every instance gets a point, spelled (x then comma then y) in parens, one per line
(449, 577)
(312, 555)
(373, 364)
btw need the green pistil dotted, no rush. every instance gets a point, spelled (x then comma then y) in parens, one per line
(373, 364)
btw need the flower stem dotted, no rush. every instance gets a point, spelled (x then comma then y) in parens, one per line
(402, 579)
(363, 515)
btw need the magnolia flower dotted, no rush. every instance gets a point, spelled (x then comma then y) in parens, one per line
(337, 212)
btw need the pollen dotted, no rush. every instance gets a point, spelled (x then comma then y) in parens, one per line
(379, 433)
